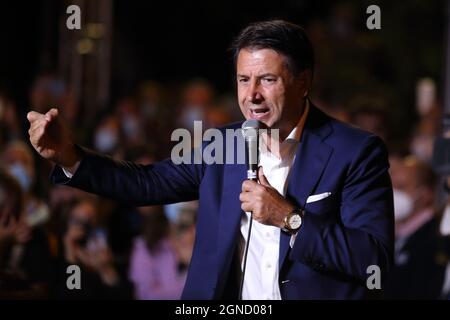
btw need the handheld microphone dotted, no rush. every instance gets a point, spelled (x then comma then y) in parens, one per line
(250, 131)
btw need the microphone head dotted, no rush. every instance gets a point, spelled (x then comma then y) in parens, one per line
(250, 132)
(250, 129)
(252, 123)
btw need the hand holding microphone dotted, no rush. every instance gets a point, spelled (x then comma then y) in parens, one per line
(265, 204)
(264, 201)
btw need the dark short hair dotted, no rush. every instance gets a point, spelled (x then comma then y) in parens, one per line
(284, 37)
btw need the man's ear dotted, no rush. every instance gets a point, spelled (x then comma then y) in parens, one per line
(305, 81)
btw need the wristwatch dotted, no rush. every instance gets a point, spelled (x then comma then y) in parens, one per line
(293, 221)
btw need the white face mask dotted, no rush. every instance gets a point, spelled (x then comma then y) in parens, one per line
(20, 173)
(130, 126)
(403, 204)
(105, 140)
(422, 147)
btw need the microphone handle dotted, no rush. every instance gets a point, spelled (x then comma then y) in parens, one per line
(252, 173)
(252, 157)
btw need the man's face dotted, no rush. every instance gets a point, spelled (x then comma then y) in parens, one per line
(267, 90)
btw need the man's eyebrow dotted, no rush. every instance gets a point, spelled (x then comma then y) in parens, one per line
(260, 76)
(267, 75)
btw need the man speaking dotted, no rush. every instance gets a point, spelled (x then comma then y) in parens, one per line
(321, 210)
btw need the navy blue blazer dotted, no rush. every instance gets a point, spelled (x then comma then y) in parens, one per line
(340, 237)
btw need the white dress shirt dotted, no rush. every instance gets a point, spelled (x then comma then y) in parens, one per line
(261, 275)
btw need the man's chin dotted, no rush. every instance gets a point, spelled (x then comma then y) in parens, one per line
(269, 123)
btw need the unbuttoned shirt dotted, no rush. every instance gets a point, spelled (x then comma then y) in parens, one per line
(261, 275)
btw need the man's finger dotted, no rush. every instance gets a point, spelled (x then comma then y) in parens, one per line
(244, 196)
(37, 124)
(38, 129)
(248, 185)
(262, 178)
(51, 114)
(33, 116)
(37, 134)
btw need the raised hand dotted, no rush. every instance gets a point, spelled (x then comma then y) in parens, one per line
(51, 138)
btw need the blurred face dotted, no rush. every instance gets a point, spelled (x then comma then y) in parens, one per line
(82, 218)
(372, 123)
(20, 156)
(267, 90)
(19, 163)
(406, 177)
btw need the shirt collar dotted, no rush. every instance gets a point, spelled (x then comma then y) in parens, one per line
(296, 133)
(294, 136)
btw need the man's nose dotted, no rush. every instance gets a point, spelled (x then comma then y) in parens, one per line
(254, 95)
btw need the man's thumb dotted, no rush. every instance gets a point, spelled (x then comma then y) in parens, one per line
(51, 114)
(262, 178)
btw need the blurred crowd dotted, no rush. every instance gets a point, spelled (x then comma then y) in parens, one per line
(123, 252)
(144, 253)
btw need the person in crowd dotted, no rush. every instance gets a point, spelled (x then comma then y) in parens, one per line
(155, 269)
(18, 160)
(85, 244)
(25, 264)
(418, 272)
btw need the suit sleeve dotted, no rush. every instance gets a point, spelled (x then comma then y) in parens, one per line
(361, 232)
(139, 185)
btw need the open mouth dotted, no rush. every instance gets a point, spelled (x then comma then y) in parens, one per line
(258, 113)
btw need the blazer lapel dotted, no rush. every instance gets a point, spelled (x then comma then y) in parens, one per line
(311, 158)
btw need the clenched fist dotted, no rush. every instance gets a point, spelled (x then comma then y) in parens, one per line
(51, 139)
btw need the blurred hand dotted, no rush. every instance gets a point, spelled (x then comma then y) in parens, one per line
(73, 235)
(99, 258)
(96, 257)
(51, 138)
(13, 231)
(7, 225)
(22, 232)
(183, 245)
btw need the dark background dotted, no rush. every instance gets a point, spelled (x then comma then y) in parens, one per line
(172, 41)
